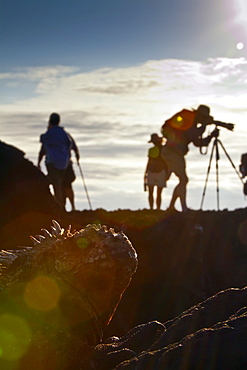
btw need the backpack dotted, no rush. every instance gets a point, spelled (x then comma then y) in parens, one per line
(243, 165)
(182, 120)
(243, 170)
(156, 161)
(245, 188)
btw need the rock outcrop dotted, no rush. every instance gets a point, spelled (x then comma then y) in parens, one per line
(209, 336)
(183, 260)
(23, 186)
(25, 198)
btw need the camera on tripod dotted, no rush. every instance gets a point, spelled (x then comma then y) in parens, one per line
(228, 126)
(215, 148)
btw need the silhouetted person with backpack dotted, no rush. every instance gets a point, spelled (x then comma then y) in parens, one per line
(185, 127)
(155, 173)
(56, 146)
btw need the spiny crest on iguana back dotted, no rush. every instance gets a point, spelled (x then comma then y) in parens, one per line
(91, 243)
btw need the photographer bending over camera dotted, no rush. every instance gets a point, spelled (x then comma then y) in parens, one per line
(183, 128)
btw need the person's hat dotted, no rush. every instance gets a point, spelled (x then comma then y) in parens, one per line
(204, 109)
(155, 138)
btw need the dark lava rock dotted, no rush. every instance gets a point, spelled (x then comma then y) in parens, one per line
(183, 261)
(211, 335)
(25, 198)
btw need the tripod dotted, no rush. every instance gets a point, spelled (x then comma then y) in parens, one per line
(215, 148)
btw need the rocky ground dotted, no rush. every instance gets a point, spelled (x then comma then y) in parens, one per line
(186, 304)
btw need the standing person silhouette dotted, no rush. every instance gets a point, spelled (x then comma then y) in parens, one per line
(179, 131)
(155, 173)
(56, 146)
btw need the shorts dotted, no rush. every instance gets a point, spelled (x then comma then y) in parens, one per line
(157, 178)
(175, 162)
(69, 177)
(55, 175)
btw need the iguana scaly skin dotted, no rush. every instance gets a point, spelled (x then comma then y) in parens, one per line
(57, 296)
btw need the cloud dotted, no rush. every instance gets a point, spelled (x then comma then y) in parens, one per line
(112, 112)
(153, 81)
(38, 73)
(225, 73)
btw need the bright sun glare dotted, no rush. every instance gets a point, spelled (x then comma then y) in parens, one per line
(242, 5)
(242, 12)
(240, 46)
(241, 16)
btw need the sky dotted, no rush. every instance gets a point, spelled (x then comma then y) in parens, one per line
(115, 70)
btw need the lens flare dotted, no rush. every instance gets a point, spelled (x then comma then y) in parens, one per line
(82, 243)
(42, 293)
(154, 152)
(15, 337)
(178, 122)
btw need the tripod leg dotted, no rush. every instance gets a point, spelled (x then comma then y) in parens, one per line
(206, 181)
(217, 174)
(222, 146)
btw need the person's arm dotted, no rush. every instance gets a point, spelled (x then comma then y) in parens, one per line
(75, 148)
(199, 141)
(42, 153)
(146, 175)
(146, 170)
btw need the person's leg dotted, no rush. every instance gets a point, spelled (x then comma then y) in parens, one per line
(56, 179)
(70, 195)
(183, 193)
(150, 196)
(180, 192)
(170, 157)
(69, 177)
(175, 196)
(179, 168)
(58, 191)
(158, 198)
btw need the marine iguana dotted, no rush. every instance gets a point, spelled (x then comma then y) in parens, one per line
(57, 296)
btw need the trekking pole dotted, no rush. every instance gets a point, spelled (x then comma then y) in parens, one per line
(83, 180)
